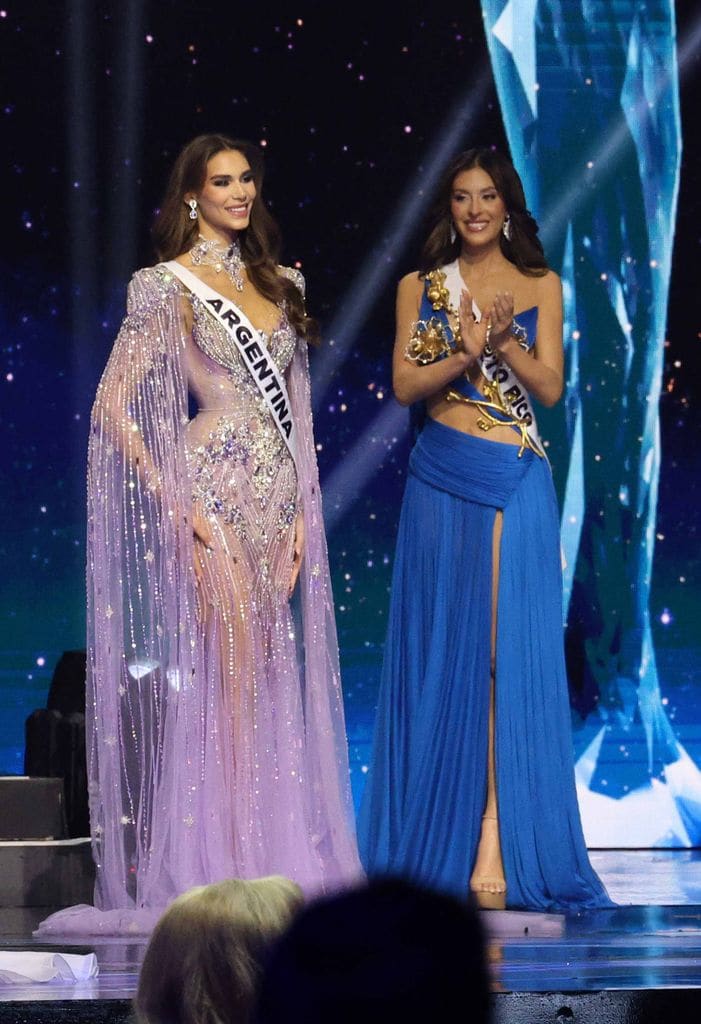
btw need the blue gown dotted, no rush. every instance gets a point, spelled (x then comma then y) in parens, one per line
(426, 790)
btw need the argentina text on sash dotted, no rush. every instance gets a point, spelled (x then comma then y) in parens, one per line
(252, 349)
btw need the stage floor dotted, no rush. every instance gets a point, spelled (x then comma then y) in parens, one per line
(650, 942)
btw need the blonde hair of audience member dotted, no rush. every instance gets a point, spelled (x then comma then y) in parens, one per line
(202, 964)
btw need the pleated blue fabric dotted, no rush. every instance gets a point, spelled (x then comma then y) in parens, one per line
(426, 789)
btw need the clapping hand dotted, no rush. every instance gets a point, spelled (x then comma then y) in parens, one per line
(500, 317)
(473, 334)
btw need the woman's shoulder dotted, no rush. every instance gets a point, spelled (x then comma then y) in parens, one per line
(548, 286)
(534, 289)
(550, 279)
(151, 285)
(542, 280)
(157, 276)
(294, 275)
(409, 295)
(411, 284)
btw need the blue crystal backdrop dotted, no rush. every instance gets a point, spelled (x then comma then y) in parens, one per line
(357, 115)
(589, 92)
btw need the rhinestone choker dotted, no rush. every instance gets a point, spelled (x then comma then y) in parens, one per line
(209, 252)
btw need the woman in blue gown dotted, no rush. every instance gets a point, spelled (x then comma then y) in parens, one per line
(471, 784)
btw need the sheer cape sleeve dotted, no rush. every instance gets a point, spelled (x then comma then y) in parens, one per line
(147, 760)
(323, 700)
(153, 753)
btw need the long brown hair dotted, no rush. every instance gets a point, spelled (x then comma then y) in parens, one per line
(174, 232)
(523, 249)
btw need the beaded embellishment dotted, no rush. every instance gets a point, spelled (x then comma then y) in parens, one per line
(430, 339)
(211, 253)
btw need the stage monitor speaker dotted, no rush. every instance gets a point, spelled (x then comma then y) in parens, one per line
(31, 808)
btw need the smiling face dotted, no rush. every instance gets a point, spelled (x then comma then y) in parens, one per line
(477, 210)
(224, 202)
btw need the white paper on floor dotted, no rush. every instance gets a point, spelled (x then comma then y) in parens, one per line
(25, 965)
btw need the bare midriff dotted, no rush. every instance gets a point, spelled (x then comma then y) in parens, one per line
(464, 416)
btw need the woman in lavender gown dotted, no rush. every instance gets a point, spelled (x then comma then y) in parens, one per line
(216, 741)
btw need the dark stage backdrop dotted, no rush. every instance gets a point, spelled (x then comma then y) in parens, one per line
(357, 111)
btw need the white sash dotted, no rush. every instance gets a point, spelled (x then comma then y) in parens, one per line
(253, 351)
(515, 397)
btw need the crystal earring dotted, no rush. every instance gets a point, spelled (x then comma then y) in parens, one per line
(453, 233)
(192, 203)
(506, 228)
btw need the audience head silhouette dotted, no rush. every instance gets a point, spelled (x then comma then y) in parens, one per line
(202, 964)
(389, 951)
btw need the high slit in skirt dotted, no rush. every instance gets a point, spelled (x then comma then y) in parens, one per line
(426, 790)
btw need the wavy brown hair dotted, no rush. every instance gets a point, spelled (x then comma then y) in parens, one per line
(174, 233)
(523, 249)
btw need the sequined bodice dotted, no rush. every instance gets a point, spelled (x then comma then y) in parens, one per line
(233, 435)
(231, 390)
(235, 452)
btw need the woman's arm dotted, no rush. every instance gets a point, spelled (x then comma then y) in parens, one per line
(121, 403)
(122, 417)
(412, 382)
(542, 375)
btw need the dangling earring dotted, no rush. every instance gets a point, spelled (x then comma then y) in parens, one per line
(506, 228)
(453, 233)
(192, 203)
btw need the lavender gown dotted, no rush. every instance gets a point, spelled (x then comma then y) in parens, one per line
(216, 742)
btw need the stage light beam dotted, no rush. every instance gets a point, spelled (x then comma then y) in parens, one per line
(345, 483)
(382, 260)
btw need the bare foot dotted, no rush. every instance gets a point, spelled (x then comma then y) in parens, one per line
(487, 881)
